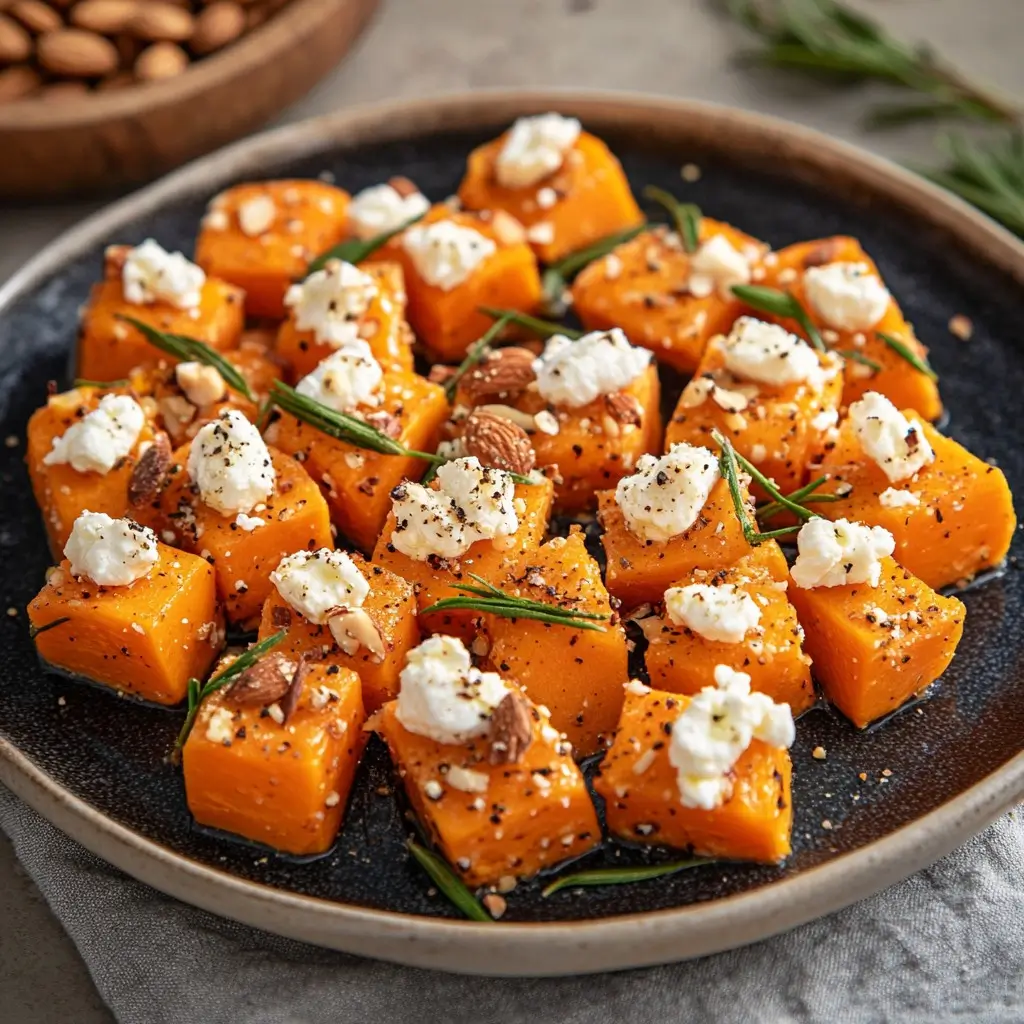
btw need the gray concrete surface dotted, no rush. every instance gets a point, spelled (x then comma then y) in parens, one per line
(415, 47)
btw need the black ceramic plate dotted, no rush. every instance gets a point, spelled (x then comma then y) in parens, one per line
(96, 764)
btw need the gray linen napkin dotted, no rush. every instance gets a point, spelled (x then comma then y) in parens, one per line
(945, 946)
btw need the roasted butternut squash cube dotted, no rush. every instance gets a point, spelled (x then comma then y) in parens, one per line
(391, 606)
(356, 482)
(576, 674)
(147, 639)
(874, 648)
(262, 235)
(455, 262)
(284, 784)
(896, 378)
(694, 634)
(641, 791)
(492, 560)
(517, 819)
(951, 520)
(109, 348)
(780, 428)
(585, 199)
(655, 291)
(382, 326)
(64, 492)
(243, 554)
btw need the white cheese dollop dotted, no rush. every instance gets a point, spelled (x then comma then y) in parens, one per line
(331, 301)
(724, 613)
(445, 253)
(315, 583)
(840, 553)
(382, 208)
(345, 379)
(442, 696)
(110, 552)
(663, 498)
(152, 274)
(717, 266)
(895, 444)
(769, 354)
(893, 498)
(847, 296)
(230, 464)
(713, 731)
(535, 147)
(573, 373)
(98, 441)
(471, 503)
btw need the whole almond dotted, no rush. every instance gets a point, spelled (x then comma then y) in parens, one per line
(499, 443)
(263, 683)
(162, 22)
(511, 730)
(161, 60)
(77, 53)
(36, 16)
(15, 42)
(504, 372)
(18, 82)
(216, 26)
(105, 16)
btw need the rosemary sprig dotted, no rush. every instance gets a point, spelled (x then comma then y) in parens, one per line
(34, 631)
(494, 601)
(475, 353)
(621, 876)
(801, 496)
(903, 350)
(198, 692)
(83, 382)
(448, 882)
(779, 303)
(534, 324)
(355, 250)
(189, 350)
(685, 216)
(858, 357)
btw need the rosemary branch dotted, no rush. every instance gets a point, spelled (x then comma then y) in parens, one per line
(476, 353)
(685, 216)
(779, 303)
(534, 324)
(621, 876)
(903, 350)
(355, 250)
(801, 496)
(448, 882)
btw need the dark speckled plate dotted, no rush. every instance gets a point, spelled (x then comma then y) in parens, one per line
(897, 796)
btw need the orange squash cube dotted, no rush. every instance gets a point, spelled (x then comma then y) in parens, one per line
(641, 791)
(876, 647)
(357, 483)
(109, 348)
(897, 379)
(576, 674)
(382, 327)
(527, 815)
(781, 429)
(444, 308)
(643, 287)
(284, 784)
(585, 199)
(146, 639)
(262, 236)
(681, 659)
(434, 578)
(391, 605)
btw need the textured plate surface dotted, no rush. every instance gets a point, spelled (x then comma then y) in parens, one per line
(95, 763)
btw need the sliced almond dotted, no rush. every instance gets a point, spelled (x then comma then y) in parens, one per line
(202, 384)
(623, 408)
(507, 371)
(499, 443)
(150, 471)
(263, 683)
(511, 730)
(177, 413)
(298, 680)
(353, 628)
(403, 186)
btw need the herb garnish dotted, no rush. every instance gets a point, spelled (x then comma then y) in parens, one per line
(355, 250)
(34, 631)
(448, 882)
(858, 357)
(801, 496)
(779, 303)
(622, 876)
(476, 352)
(903, 350)
(190, 350)
(534, 324)
(82, 382)
(685, 216)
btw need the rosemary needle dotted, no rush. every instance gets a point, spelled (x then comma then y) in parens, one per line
(448, 882)
(534, 324)
(621, 876)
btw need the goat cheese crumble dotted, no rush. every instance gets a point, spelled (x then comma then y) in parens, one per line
(834, 554)
(382, 208)
(895, 444)
(665, 495)
(471, 503)
(535, 147)
(344, 380)
(717, 266)
(893, 498)
(110, 552)
(713, 731)
(331, 301)
(315, 583)
(152, 274)
(847, 296)
(442, 696)
(445, 253)
(768, 354)
(574, 373)
(230, 465)
(98, 441)
(725, 613)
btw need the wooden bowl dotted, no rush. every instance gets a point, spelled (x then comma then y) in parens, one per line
(110, 139)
